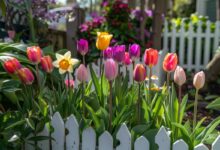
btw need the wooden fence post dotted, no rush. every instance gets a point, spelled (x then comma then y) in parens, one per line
(72, 27)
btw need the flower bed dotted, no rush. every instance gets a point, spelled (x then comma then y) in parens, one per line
(35, 90)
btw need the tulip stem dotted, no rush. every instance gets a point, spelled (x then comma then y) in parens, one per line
(110, 106)
(133, 63)
(100, 64)
(68, 78)
(83, 99)
(180, 100)
(149, 86)
(195, 109)
(139, 103)
(38, 76)
(84, 62)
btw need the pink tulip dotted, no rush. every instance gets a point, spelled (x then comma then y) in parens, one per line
(70, 83)
(111, 69)
(139, 73)
(179, 76)
(108, 53)
(82, 73)
(127, 59)
(34, 54)
(82, 46)
(134, 51)
(46, 64)
(199, 80)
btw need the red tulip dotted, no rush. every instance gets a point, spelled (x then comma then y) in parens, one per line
(26, 76)
(12, 65)
(34, 54)
(151, 57)
(139, 73)
(46, 64)
(170, 62)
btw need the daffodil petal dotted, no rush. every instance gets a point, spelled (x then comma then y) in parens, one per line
(61, 71)
(59, 57)
(74, 61)
(56, 63)
(70, 69)
(67, 55)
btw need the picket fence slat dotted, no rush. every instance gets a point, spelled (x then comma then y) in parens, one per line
(180, 145)
(163, 139)
(59, 132)
(106, 141)
(124, 136)
(89, 139)
(72, 138)
(201, 147)
(216, 144)
(141, 144)
(198, 48)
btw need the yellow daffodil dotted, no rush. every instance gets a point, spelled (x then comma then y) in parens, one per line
(65, 63)
(103, 40)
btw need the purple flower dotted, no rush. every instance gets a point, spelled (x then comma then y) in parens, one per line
(82, 46)
(134, 51)
(108, 53)
(119, 53)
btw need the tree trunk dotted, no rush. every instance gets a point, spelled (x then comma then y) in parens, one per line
(143, 23)
(158, 19)
(212, 70)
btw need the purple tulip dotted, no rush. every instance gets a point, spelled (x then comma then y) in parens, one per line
(111, 69)
(82, 46)
(134, 51)
(119, 53)
(108, 53)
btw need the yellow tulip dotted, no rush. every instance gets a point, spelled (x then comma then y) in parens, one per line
(103, 40)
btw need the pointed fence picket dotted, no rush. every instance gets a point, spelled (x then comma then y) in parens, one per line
(70, 140)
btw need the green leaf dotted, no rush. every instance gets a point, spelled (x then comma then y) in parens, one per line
(95, 82)
(3, 7)
(215, 104)
(30, 123)
(182, 108)
(208, 130)
(15, 124)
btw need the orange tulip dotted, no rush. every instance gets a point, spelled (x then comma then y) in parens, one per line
(170, 62)
(46, 64)
(139, 73)
(151, 57)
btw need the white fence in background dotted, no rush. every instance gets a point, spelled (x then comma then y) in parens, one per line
(70, 140)
(194, 47)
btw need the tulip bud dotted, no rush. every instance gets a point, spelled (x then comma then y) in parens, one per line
(119, 53)
(170, 62)
(46, 64)
(69, 82)
(34, 54)
(134, 51)
(179, 76)
(127, 59)
(111, 69)
(103, 40)
(12, 65)
(82, 73)
(82, 46)
(11, 34)
(108, 53)
(151, 57)
(26, 76)
(139, 73)
(199, 80)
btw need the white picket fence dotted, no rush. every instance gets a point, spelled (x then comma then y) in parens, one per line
(71, 141)
(194, 48)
